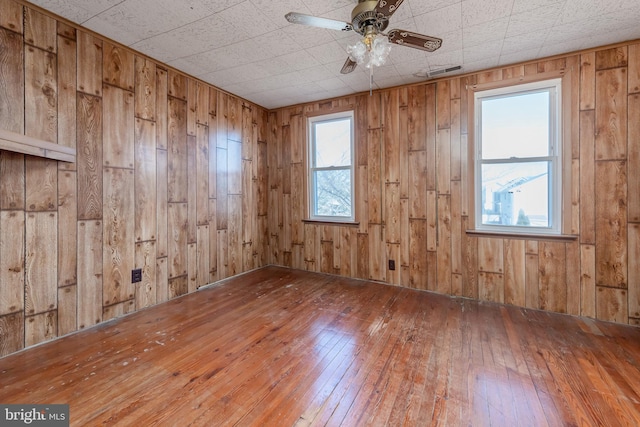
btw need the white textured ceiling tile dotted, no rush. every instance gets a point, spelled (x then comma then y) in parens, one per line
(577, 10)
(249, 19)
(318, 73)
(276, 10)
(408, 69)
(307, 36)
(482, 64)
(402, 54)
(323, 7)
(419, 7)
(331, 84)
(559, 48)
(533, 20)
(191, 66)
(519, 56)
(450, 42)
(440, 21)
(526, 42)
(328, 52)
(276, 43)
(484, 33)
(299, 60)
(446, 60)
(113, 31)
(485, 51)
(520, 6)
(76, 11)
(476, 12)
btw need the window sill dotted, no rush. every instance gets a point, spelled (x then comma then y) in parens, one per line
(526, 236)
(338, 223)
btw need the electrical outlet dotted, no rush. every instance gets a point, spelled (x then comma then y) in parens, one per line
(392, 264)
(136, 275)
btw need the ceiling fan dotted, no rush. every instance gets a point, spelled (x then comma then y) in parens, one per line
(369, 19)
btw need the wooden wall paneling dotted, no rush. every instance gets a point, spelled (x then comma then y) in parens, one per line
(11, 333)
(298, 204)
(326, 250)
(490, 255)
(67, 310)
(611, 224)
(234, 168)
(40, 327)
(119, 127)
(67, 228)
(162, 280)
(552, 65)
(234, 119)
(532, 271)
(391, 136)
(119, 249)
(177, 151)
(203, 256)
(12, 84)
(202, 175)
(405, 255)
(634, 68)
(611, 304)
(248, 205)
(611, 58)
(146, 259)
(417, 253)
(41, 190)
(66, 30)
(41, 262)
(633, 162)
(496, 75)
(90, 273)
(491, 287)
(588, 281)
(443, 104)
(202, 99)
(146, 79)
(431, 131)
(393, 253)
(12, 180)
(213, 242)
(634, 270)
(192, 189)
(39, 30)
(222, 121)
(298, 138)
(417, 172)
(374, 112)
(223, 254)
(118, 310)
(146, 203)
(178, 286)
(514, 272)
(377, 253)
(403, 148)
(573, 277)
(222, 214)
(432, 221)
(285, 157)
(311, 258)
(234, 260)
(392, 212)
(177, 85)
(456, 228)
(360, 130)
(12, 262)
(469, 261)
(89, 157)
(162, 204)
(443, 161)
(162, 108)
(192, 267)
(417, 118)
(432, 270)
(192, 106)
(11, 16)
(89, 64)
(552, 274)
(611, 114)
(212, 162)
(247, 132)
(177, 226)
(587, 178)
(67, 79)
(443, 273)
(362, 198)
(41, 94)
(455, 169)
(374, 179)
(118, 66)
(588, 81)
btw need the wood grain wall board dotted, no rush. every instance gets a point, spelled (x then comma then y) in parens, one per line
(491, 287)
(634, 270)
(213, 161)
(262, 188)
(222, 214)
(146, 94)
(192, 106)
(587, 178)
(41, 94)
(363, 255)
(12, 261)
(614, 57)
(162, 280)
(213, 241)
(456, 142)
(588, 281)
(469, 261)
(67, 310)
(552, 273)
(67, 79)
(443, 161)
(490, 255)
(432, 221)
(118, 66)
(456, 229)
(162, 204)
(443, 273)
(532, 271)
(611, 114)
(41, 262)
(403, 148)
(40, 327)
(146, 259)
(234, 168)
(67, 31)
(192, 189)
(612, 304)
(119, 249)
(11, 333)
(119, 127)
(177, 85)
(11, 16)
(611, 224)
(118, 310)
(90, 273)
(234, 119)
(377, 255)
(374, 183)
(443, 104)
(39, 30)
(298, 204)
(177, 150)
(633, 162)
(12, 83)
(634, 68)
(431, 131)
(405, 254)
(247, 132)
(162, 108)
(417, 253)
(202, 174)
(417, 119)
(203, 256)
(89, 64)
(177, 226)
(417, 170)
(223, 255)
(298, 137)
(390, 136)
(361, 126)
(393, 253)
(392, 212)
(311, 256)
(67, 228)
(587, 81)
(285, 157)
(234, 242)
(192, 267)
(145, 176)
(573, 277)
(89, 156)
(202, 100)
(178, 286)
(222, 123)
(531, 247)
(41, 191)
(248, 205)
(514, 272)
(12, 181)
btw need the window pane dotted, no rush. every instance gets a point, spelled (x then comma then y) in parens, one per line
(516, 194)
(332, 143)
(333, 193)
(515, 126)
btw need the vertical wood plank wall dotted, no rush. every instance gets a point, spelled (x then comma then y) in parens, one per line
(412, 195)
(169, 178)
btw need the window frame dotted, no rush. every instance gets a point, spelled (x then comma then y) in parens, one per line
(312, 169)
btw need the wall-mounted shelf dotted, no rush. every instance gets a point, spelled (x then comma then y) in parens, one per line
(18, 143)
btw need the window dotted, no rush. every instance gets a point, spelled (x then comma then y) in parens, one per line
(331, 174)
(518, 171)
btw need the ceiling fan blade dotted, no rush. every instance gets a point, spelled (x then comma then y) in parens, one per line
(315, 21)
(348, 66)
(415, 40)
(388, 7)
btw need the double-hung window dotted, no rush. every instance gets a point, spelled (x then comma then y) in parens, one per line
(518, 170)
(331, 171)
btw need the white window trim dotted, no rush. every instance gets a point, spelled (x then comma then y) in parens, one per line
(311, 169)
(556, 157)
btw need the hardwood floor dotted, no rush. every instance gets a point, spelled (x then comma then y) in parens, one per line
(284, 347)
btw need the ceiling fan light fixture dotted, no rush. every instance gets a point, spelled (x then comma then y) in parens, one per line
(371, 51)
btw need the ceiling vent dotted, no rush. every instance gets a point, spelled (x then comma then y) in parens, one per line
(430, 74)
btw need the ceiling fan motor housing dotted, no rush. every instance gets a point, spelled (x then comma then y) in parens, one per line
(365, 15)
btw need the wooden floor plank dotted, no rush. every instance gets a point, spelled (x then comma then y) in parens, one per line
(283, 347)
